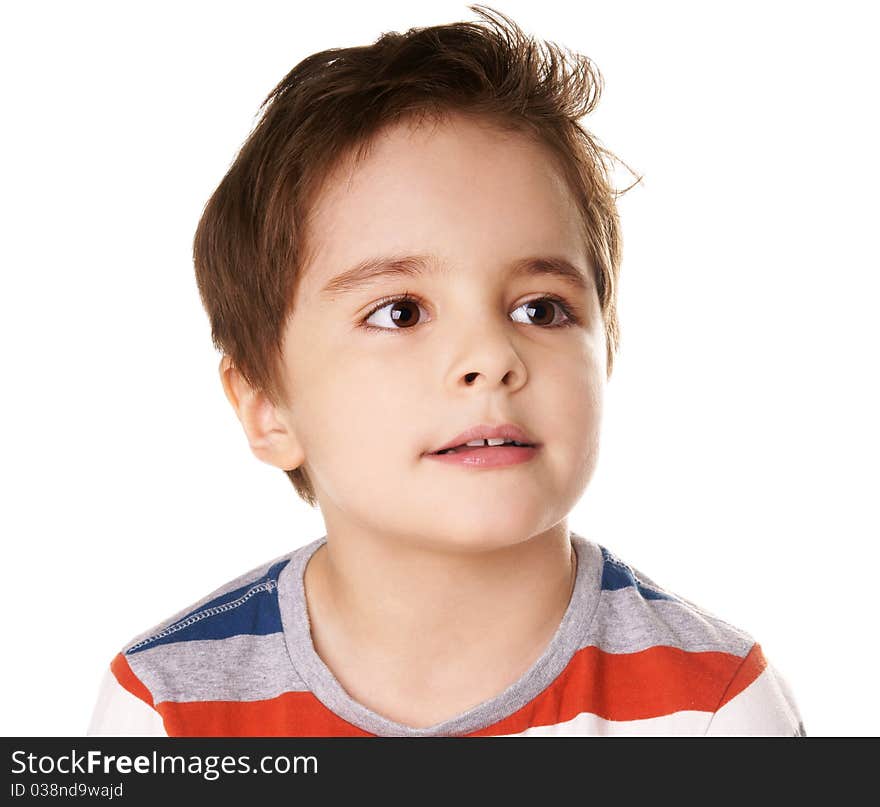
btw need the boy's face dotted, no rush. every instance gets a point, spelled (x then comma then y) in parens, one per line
(366, 406)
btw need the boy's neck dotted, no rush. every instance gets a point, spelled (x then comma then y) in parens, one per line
(420, 636)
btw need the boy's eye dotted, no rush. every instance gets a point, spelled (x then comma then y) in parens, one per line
(402, 313)
(542, 311)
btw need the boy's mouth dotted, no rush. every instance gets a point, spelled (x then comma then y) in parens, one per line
(476, 445)
(484, 437)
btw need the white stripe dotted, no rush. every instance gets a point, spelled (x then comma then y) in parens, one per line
(687, 723)
(760, 710)
(118, 713)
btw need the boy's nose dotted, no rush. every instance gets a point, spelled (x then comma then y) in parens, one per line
(498, 367)
(484, 354)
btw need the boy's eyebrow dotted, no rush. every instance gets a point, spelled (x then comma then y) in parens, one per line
(383, 267)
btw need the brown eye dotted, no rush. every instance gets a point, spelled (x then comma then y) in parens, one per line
(542, 311)
(402, 314)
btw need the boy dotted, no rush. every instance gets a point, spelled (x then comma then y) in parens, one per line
(410, 270)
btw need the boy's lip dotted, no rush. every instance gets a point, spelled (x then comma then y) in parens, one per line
(506, 431)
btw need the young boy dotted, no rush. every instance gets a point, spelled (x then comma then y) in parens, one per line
(417, 251)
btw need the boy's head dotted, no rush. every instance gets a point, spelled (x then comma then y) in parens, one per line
(452, 156)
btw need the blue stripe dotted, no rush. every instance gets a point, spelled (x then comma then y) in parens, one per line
(616, 575)
(251, 609)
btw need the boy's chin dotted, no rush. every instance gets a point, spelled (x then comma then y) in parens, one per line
(475, 539)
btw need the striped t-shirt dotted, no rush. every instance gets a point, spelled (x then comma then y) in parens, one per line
(628, 658)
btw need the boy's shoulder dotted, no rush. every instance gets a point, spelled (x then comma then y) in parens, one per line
(634, 613)
(228, 647)
(647, 659)
(224, 603)
(223, 646)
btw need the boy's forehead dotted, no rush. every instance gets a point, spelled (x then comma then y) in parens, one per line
(425, 194)
(408, 160)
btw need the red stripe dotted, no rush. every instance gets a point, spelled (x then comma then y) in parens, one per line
(127, 679)
(293, 714)
(626, 686)
(615, 686)
(752, 666)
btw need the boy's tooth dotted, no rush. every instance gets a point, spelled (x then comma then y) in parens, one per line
(492, 441)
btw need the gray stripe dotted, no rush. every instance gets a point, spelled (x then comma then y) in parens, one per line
(239, 668)
(568, 637)
(625, 622)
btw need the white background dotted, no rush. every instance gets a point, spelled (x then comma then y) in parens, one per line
(739, 456)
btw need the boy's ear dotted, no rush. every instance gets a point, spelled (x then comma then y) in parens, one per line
(270, 437)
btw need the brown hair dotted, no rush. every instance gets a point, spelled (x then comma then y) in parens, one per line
(249, 244)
